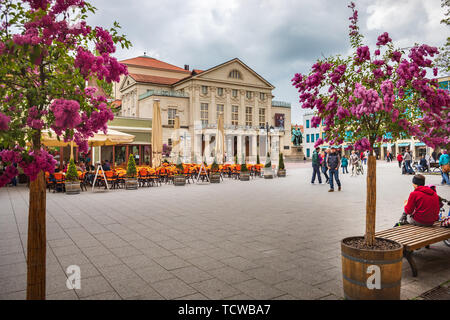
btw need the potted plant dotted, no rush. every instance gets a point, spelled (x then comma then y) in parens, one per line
(131, 181)
(367, 99)
(72, 183)
(215, 173)
(268, 172)
(179, 178)
(244, 174)
(281, 169)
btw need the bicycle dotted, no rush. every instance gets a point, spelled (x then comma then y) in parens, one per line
(442, 215)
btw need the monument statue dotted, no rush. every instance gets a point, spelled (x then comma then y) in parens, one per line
(297, 137)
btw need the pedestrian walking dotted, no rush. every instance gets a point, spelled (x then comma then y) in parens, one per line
(407, 158)
(324, 165)
(444, 163)
(316, 166)
(400, 160)
(344, 164)
(333, 163)
(354, 161)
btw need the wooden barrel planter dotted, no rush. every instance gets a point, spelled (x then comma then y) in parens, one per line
(215, 177)
(179, 180)
(362, 268)
(131, 183)
(268, 173)
(72, 187)
(244, 176)
(281, 173)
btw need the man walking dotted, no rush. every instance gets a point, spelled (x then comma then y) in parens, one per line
(407, 158)
(354, 161)
(316, 166)
(324, 165)
(333, 163)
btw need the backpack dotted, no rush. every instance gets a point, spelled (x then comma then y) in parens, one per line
(315, 158)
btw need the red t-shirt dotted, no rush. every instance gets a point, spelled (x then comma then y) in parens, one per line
(423, 205)
(399, 157)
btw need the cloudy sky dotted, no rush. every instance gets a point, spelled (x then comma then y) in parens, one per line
(277, 38)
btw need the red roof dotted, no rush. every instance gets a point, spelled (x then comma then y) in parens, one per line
(196, 71)
(117, 103)
(153, 79)
(152, 63)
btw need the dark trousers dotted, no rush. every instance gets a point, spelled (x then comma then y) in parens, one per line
(334, 173)
(316, 171)
(344, 169)
(324, 171)
(399, 164)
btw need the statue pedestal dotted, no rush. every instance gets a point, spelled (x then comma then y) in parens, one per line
(296, 154)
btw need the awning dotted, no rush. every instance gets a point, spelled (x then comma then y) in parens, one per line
(420, 144)
(387, 145)
(404, 144)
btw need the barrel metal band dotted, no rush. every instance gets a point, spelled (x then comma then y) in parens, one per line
(371, 261)
(383, 285)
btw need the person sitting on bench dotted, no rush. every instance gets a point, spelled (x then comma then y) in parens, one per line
(422, 206)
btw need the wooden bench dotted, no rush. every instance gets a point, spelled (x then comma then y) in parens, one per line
(414, 237)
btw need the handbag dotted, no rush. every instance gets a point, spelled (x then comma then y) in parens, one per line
(445, 222)
(446, 168)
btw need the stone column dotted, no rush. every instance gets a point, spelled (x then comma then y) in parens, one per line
(254, 149)
(413, 149)
(207, 148)
(381, 152)
(239, 148)
(212, 118)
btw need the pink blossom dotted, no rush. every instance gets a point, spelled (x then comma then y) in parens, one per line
(318, 142)
(4, 122)
(383, 39)
(66, 114)
(362, 54)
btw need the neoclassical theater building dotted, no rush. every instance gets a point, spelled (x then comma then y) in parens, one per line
(254, 122)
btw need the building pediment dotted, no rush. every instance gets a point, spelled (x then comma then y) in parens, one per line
(232, 72)
(128, 81)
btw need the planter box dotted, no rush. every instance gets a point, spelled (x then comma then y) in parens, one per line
(131, 183)
(179, 180)
(215, 178)
(360, 268)
(244, 176)
(268, 173)
(281, 173)
(72, 187)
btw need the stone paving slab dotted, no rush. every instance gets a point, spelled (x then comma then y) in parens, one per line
(262, 239)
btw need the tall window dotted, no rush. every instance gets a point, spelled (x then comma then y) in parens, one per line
(312, 137)
(219, 110)
(262, 96)
(307, 138)
(308, 153)
(307, 124)
(317, 136)
(248, 116)
(235, 74)
(204, 89)
(248, 94)
(204, 113)
(234, 115)
(171, 116)
(220, 91)
(234, 93)
(262, 117)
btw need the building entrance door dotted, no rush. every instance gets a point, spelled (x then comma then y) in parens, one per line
(247, 148)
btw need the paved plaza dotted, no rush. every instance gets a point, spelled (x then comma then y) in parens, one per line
(262, 239)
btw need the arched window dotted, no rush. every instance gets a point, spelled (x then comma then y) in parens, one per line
(235, 74)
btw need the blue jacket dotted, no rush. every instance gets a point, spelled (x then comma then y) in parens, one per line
(444, 159)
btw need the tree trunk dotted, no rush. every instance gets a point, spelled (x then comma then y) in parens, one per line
(36, 248)
(371, 202)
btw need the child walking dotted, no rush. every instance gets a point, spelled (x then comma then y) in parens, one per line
(344, 164)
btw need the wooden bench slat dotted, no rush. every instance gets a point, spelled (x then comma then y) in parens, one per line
(417, 239)
(415, 246)
(411, 234)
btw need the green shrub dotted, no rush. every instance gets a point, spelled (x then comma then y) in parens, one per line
(214, 166)
(281, 162)
(72, 174)
(268, 161)
(244, 166)
(180, 168)
(235, 159)
(257, 159)
(131, 167)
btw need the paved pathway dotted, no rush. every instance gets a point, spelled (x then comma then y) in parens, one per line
(263, 239)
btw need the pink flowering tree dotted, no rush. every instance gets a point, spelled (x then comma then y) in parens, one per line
(371, 96)
(48, 53)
